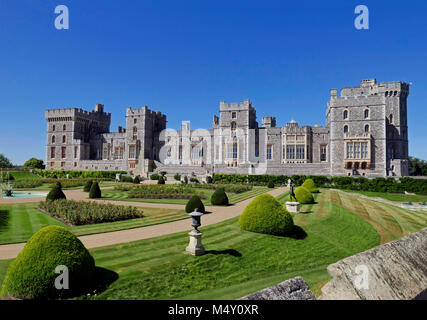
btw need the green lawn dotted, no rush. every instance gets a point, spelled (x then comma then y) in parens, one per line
(23, 175)
(239, 262)
(398, 197)
(233, 198)
(19, 222)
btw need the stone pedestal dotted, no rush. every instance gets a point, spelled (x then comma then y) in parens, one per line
(292, 206)
(195, 246)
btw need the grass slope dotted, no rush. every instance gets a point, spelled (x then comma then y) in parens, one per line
(19, 222)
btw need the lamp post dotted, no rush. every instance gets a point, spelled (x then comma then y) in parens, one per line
(195, 246)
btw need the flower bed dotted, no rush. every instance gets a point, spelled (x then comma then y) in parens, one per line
(163, 192)
(227, 187)
(83, 212)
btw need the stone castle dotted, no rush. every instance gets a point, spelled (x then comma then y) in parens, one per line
(366, 134)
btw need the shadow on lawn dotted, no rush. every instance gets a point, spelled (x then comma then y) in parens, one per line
(103, 278)
(4, 218)
(230, 252)
(298, 233)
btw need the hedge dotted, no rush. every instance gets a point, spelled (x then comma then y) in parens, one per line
(32, 274)
(95, 191)
(392, 185)
(303, 196)
(219, 198)
(55, 194)
(266, 215)
(111, 175)
(193, 203)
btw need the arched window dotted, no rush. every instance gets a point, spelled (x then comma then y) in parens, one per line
(53, 139)
(391, 118)
(345, 114)
(346, 129)
(367, 128)
(64, 138)
(366, 113)
(233, 126)
(53, 128)
(134, 120)
(64, 127)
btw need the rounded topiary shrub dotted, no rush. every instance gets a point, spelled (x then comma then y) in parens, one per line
(270, 184)
(193, 203)
(303, 195)
(55, 194)
(266, 215)
(32, 274)
(87, 186)
(161, 180)
(310, 186)
(95, 191)
(219, 197)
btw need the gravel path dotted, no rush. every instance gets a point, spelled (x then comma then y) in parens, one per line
(217, 214)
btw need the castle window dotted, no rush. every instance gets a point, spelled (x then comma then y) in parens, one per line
(391, 119)
(300, 152)
(180, 153)
(290, 152)
(367, 128)
(75, 164)
(366, 114)
(169, 152)
(345, 114)
(132, 152)
(52, 152)
(197, 153)
(62, 164)
(63, 152)
(75, 151)
(269, 153)
(135, 131)
(233, 115)
(53, 127)
(233, 126)
(134, 121)
(63, 139)
(322, 153)
(346, 129)
(53, 139)
(64, 127)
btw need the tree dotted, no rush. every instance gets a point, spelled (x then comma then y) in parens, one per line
(5, 162)
(33, 163)
(417, 167)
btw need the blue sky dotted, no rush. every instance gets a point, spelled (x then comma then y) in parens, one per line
(183, 57)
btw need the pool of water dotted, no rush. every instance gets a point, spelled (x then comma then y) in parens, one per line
(18, 195)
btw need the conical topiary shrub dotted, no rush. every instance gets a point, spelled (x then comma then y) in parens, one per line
(136, 180)
(87, 186)
(55, 194)
(303, 196)
(58, 184)
(161, 180)
(95, 191)
(310, 186)
(219, 197)
(270, 184)
(193, 203)
(266, 215)
(32, 274)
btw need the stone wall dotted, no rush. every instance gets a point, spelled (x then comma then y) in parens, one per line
(393, 271)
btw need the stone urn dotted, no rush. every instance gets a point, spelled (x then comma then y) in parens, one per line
(293, 206)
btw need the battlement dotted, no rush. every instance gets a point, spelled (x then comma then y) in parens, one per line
(245, 105)
(370, 87)
(97, 114)
(144, 110)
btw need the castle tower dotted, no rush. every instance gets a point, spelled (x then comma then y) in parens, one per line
(73, 134)
(363, 142)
